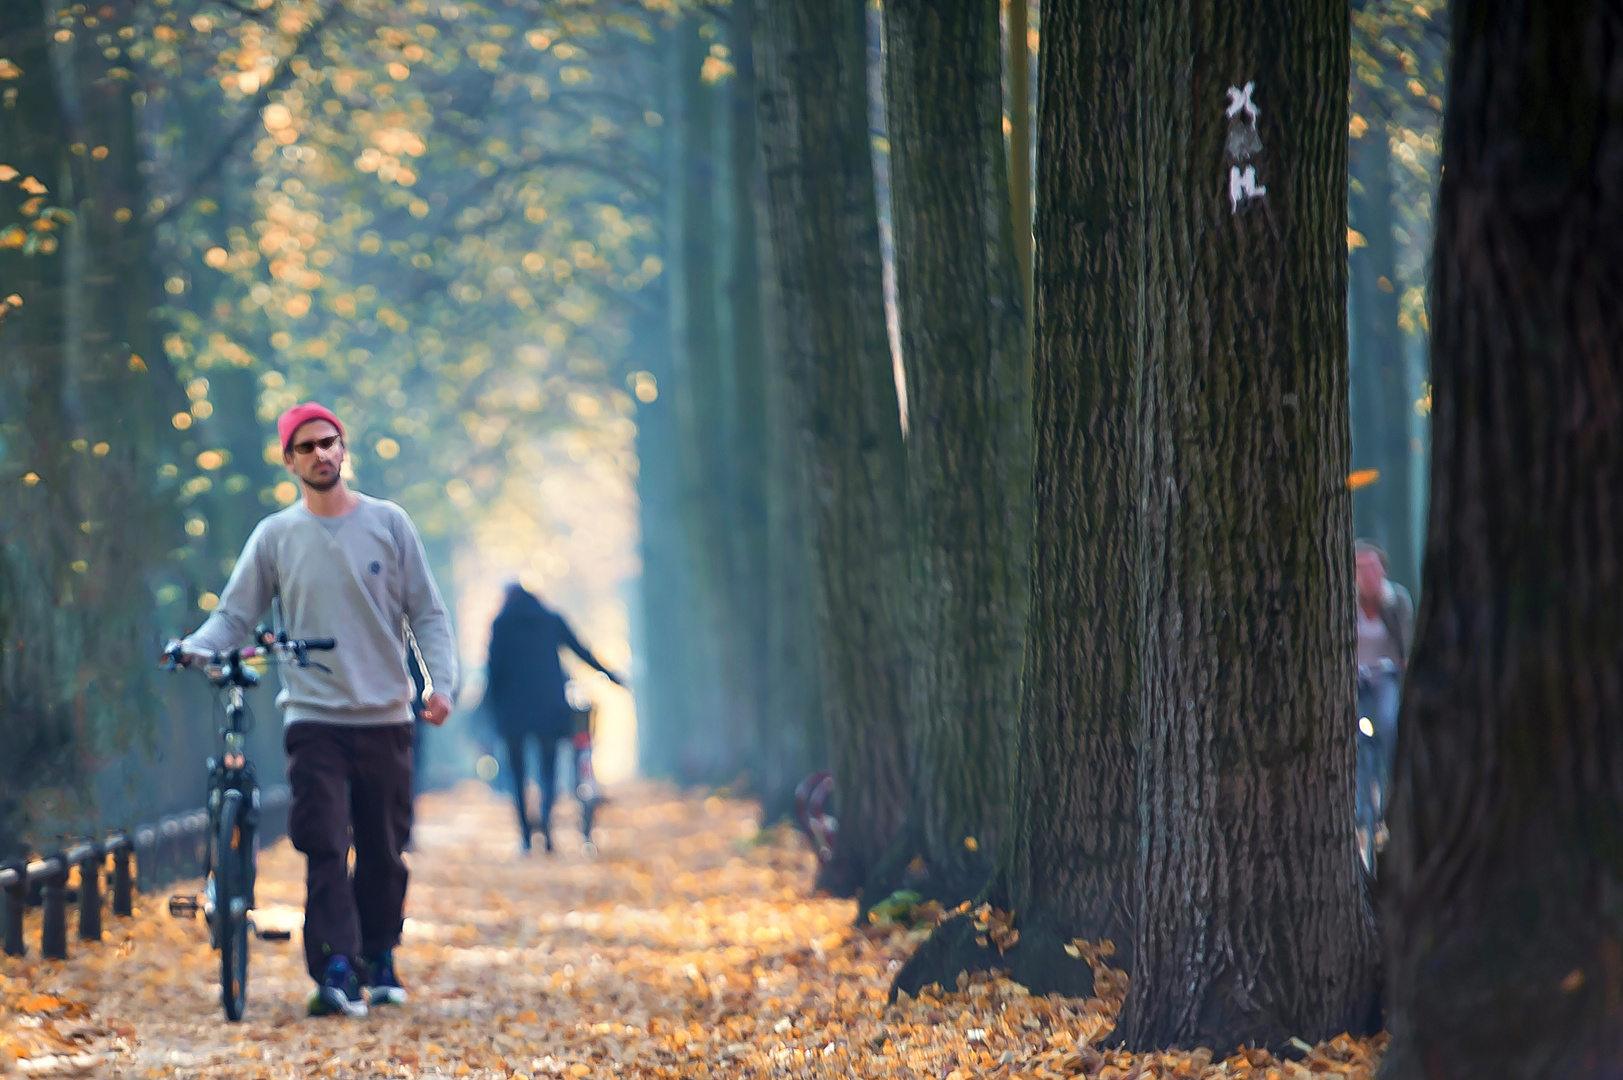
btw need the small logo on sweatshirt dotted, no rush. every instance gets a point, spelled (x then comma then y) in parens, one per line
(376, 567)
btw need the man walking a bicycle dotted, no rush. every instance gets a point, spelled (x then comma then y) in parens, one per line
(349, 567)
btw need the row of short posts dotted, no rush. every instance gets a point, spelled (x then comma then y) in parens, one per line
(140, 851)
(50, 876)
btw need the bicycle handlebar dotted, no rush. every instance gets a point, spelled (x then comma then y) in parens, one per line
(178, 652)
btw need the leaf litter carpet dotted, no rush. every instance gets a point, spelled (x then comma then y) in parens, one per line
(691, 947)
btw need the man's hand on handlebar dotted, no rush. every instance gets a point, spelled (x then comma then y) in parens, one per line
(436, 708)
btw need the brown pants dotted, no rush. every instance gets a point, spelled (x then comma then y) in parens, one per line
(350, 784)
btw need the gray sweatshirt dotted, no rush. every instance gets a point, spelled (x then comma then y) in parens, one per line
(360, 579)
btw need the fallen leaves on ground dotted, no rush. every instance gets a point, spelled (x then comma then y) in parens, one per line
(689, 948)
(47, 1033)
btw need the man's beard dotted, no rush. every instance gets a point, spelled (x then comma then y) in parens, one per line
(322, 485)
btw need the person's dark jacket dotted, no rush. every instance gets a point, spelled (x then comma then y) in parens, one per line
(524, 693)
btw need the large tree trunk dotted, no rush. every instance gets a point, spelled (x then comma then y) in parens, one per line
(968, 460)
(673, 694)
(793, 737)
(1505, 939)
(752, 610)
(1066, 865)
(665, 716)
(715, 750)
(825, 232)
(1382, 404)
(1251, 923)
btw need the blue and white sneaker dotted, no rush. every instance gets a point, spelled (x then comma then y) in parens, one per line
(340, 991)
(384, 987)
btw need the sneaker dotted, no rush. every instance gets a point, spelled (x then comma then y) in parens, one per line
(339, 992)
(384, 988)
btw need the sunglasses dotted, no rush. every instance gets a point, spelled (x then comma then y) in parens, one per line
(313, 445)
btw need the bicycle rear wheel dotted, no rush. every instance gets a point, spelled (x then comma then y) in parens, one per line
(232, 873)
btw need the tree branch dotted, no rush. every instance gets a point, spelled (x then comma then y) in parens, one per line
(256, 14)
(229, 146)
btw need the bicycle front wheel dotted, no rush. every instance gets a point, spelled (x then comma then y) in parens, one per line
(232, 874)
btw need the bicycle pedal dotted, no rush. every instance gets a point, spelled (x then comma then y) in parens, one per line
(182, 906)
(273, 935)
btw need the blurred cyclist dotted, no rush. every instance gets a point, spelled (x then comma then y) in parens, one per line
(1385, 631)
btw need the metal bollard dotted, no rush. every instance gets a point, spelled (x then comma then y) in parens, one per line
(90, 894)
(123, 882)
(53, 934)
(16, 904)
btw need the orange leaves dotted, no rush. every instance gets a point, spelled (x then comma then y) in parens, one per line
(38, 1003)
(995, 926)
(44, 1031)
(678, 953)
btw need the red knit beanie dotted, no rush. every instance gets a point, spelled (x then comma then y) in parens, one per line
(288, 424)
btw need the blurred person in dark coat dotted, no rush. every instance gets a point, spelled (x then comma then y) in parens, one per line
(524, 693)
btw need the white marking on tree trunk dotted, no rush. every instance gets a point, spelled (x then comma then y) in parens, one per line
(1240, 101)
(1242, 144)
(1243, 185)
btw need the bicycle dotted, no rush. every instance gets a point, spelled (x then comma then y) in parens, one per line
(812, 813)
(587, 792)
(233, 804)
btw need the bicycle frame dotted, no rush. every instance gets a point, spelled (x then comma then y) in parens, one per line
(232, 773)
(230, 867)
(587, 792)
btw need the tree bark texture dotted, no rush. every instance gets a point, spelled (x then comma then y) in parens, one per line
(752, 606)
(1068, 863)
(1251, 924)
(1066, 867)
(794, 741)
(1382, 403)
(825, 232)
(968, 460)
(1019, 67)
(1503, 926)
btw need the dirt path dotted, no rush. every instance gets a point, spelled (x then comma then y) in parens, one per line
(689, 948)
